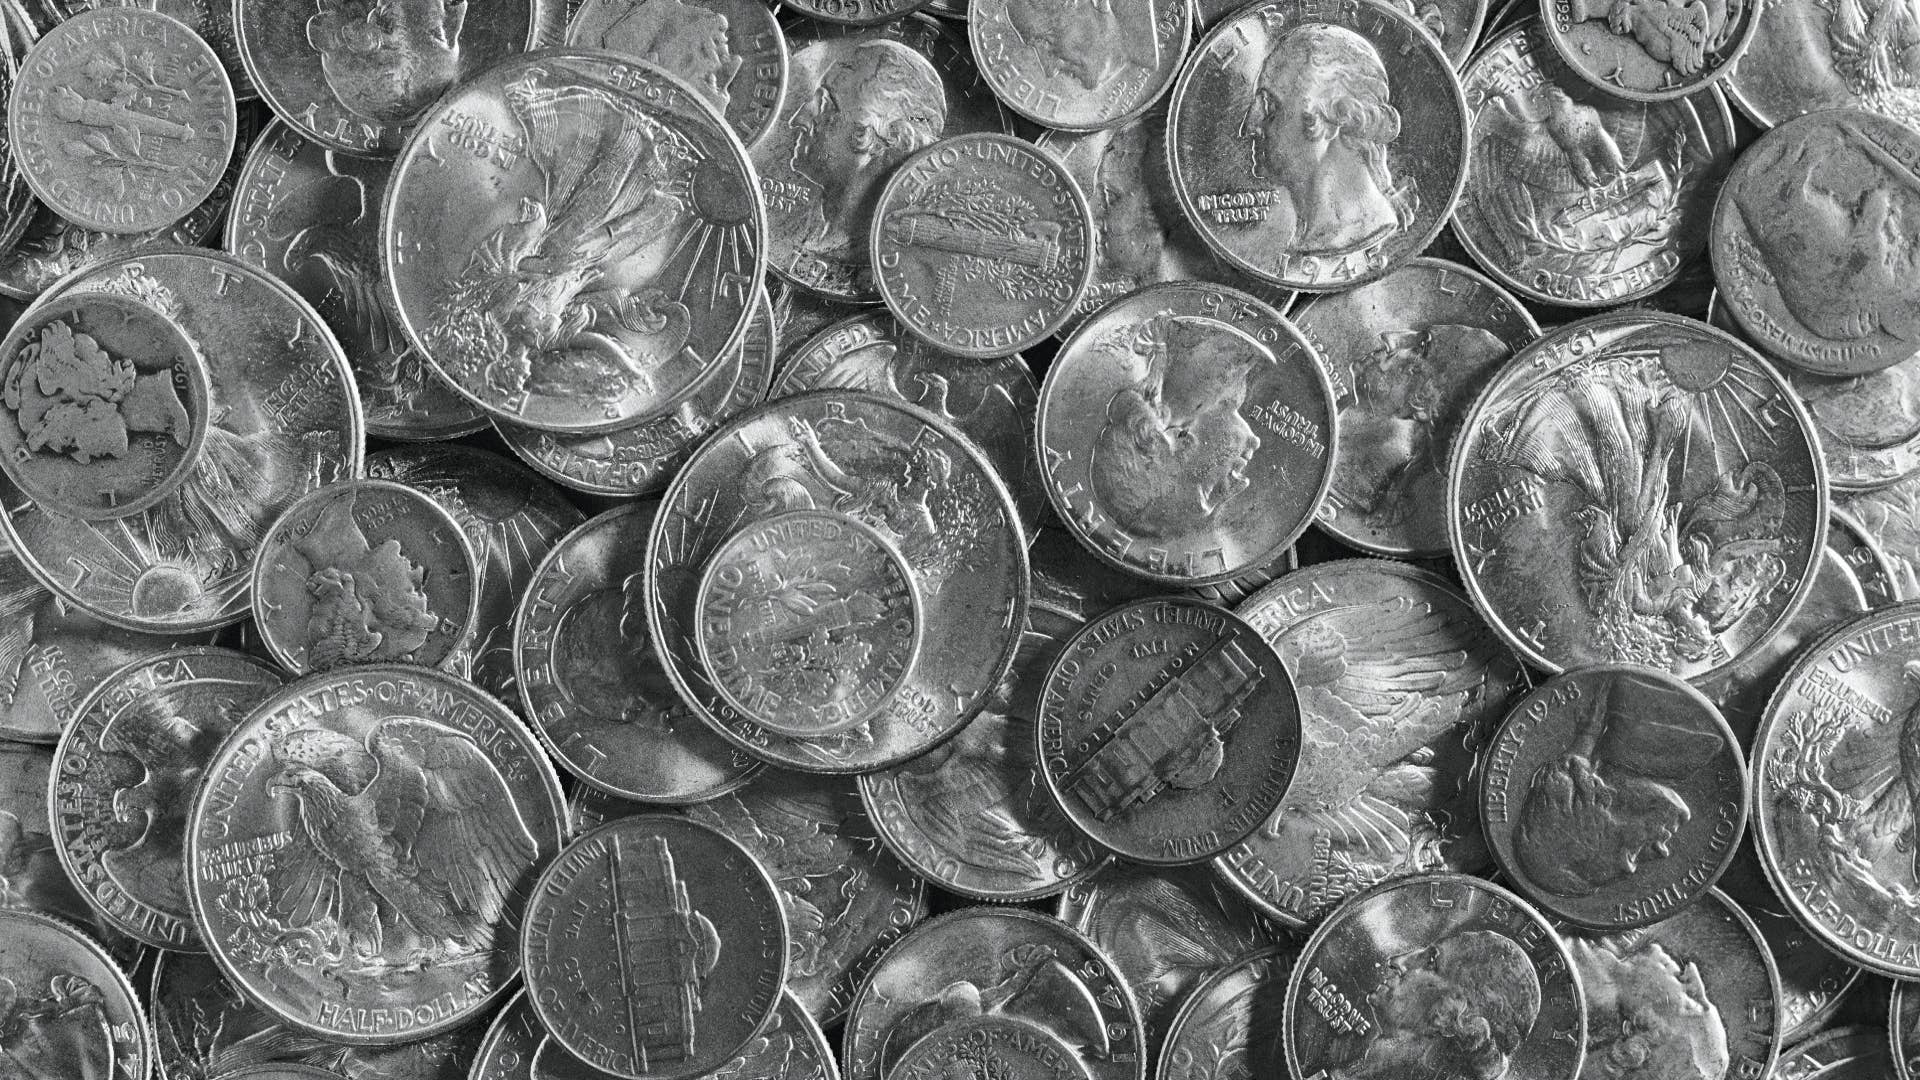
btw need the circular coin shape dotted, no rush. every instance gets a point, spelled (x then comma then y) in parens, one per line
(1168, 730)
(517, 1047)
(1814, 981)
(1637, 488)
(731, 51)
(1869, 424)
(305, 816)
(1080, 66)
(673, 921)
(1806, 57)
(809, 622)
(76, 1011)
(996, 1046)
(1187, 434)
(613, 281)
(1271, 187)
(122, 119)
(1360, 996)
(121, 436)
(1625, 52)
(1853, 1052)
(1231, 1017)
(1903, 1024)
(364, 572)
(1613, 796)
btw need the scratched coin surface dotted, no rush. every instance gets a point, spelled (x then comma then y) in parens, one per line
(1361, 997)
(1168, 730)
(997, 1046)
(731, 51)
(589, 679)
(1318, 148)
(1806, 57)
(306, 814)
(673, 925)
(72, 1012)
(1637, 487)
(1232, 1026)
(1635, 53)
(1080, 65)
(364, 572)
(121, 119)
(1401, 684)
(1814, 981)
(1406, 354)
(1186, 433)
(995, 961)
(33, 878)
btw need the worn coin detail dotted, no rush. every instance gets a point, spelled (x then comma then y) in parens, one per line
(998, 1046)
(76, 1012)
(855, 12)
(1814, 981)
(1740, 692)
(732, 51)
(1873, 568)
(1080, 65)
(1853, 1052)
(1903, 1025)
(34, 879)
(1633, 53)
(1869, 424)
(1230, 1026)
(1889, 517)
(1805, 57)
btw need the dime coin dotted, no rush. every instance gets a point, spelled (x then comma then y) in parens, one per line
(1576, 196)
(33, 877)
(731, 51)
(1359, 997)
(364, 572)
(997, 1046)
(127, 771)
(909, 475)
(646, 909)
(285, 420)
(306, 813)
(1808, 283)
(612, 281)
(1613, 796)
(1806, 57)
(1814, 982)
(1889, 517)
(1903, 1023)
(1630, 54)
(1150, 425)
(357, 78)
(1854, 1052)
(1400, 684)
(1005, 962)
(1406, 354)
(972, 815)
(212, 22)
(122, 119)
(1168, 730)
(589, 679)
(809, 622)
(1637, 487)
(854, 12)
(310, 215)
(1831, 803)
(1228, 1026)
(1740, 692)
(76, 1012)
(1080, 65)
(1284, 193)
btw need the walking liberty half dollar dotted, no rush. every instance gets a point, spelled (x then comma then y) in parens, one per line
(1637, 488)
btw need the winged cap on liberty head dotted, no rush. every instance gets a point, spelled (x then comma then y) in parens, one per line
(365, 603)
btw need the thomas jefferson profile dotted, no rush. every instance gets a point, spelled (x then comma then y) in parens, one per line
(875, 107)
(1318, 129)
(388, 59)
(1648, 1016)
(1175, 448)
(681, 36)
(1458, 1008)
(1088, 41)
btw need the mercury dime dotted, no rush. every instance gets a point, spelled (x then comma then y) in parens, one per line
(1186, 433)
(997, 1046)
(589, 678)
(1400, 684)
(1889, 517)
(1291, 194)
(122, 119)
(1869, 424)
(909, 475)
(1854, 1052)
(855, 12)
(1814, 982)
(1740, 692)
(126, 774)
(1805, 57)
(1230, 1026)
(1631, 53)
(32, 878)
(1406, 354)
(1005, 962)
(673, 921)
(306, 813)
(1637, 487)
(611, 282)
(1080, 65)
(1168, 730)
(1361, 995)
(72, 1012)
(731, 51)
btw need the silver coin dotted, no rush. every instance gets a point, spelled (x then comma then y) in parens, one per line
(789, 1047)
(1741, 691)
(1814, 982)
(1406, 354)
(1230, 1027)
(1080, 65)
(1853, 1052)
(1637, 487)
(1890, 518)
(1806, 57)
(32, 877)
(1454, 23)
(1064, 577)
(1903, 1024)
(1294, 195)
(281, 1071)
(1869, 424)
(213, 22)
(1631, 53)
(18, 206)
(798, 315)
(854, 12)
(69, 1010)
(731, 51)
(997, 1046)
(1870, 564)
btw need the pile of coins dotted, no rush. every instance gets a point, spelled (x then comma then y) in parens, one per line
(928, 540)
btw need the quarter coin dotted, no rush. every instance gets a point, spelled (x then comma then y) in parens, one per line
(77, 1010)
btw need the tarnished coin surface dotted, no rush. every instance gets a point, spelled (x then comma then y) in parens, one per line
(1310, 195)
(1080, 65)
(71, 1012)
(809, 622)
(105, 403)
(1406, 354)
(1637, 487)
(1814, 981)
(1853, 1052)
(281, 1072)
(676, 927)
(731, 51)
(1401, 684)
(1006, 962)
(127, 772)
(1804, 242)
(1186, 433)
(364, 572)
(1168, 730)
(1231, 1026)
(610, 285)
(306, 814)
(1806, 56)
(982, 245)
(1631, 52)
(591, 683)
(1361, 997)
(1613, 796)
(1576, 196)
(1869, 424)
(996, 1046)
(33, 878)
(122, 119)
(1741, 691)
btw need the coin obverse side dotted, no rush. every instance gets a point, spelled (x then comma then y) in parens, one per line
(1632, 53)
(1230, 1025)
(671, 923)
(997, 1046)
(732, 51)
(1080, 65)
(1168, 730)
(790, 1047)
(77, 1010)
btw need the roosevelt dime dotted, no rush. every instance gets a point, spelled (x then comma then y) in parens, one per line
(731, 51)
(996, 1046)
(74, 1012)
(1080, 65)
(1626, 51)
(1229, 1026)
